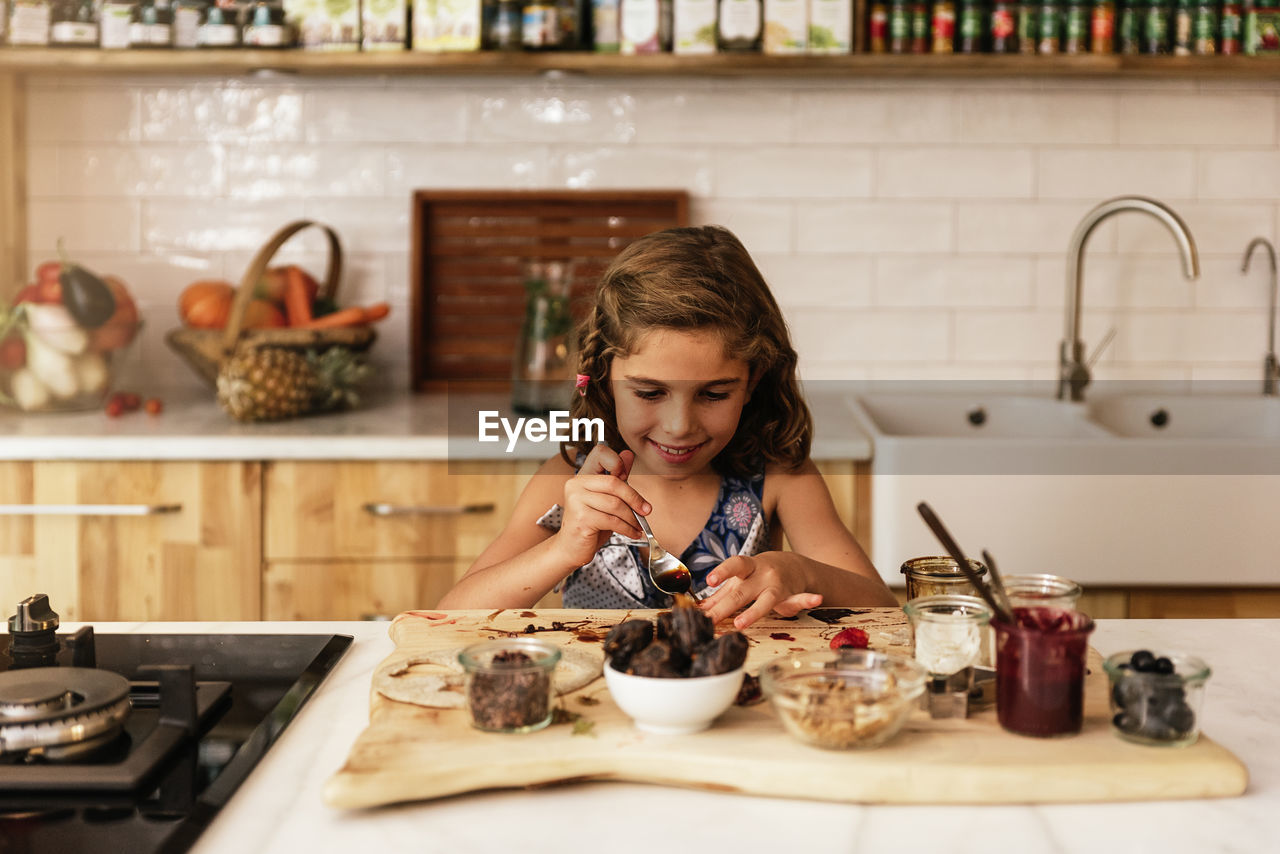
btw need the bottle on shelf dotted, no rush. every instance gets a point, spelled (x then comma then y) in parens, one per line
(1231, 28)
(1028, 27)
(971, 27)
(1155, 30)
(878, 28)
(920, 26)
(943, 27)
(74, 23)
(694, 25)
(1075, 28)
(1102, 27)
(114, 19)
(1004, 26)
(1129, 28)
(1183, 16)
(899, 27)
(1204, 28)
(741, 25)
(1050, 34)
(605, 22)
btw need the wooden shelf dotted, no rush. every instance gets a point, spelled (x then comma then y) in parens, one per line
(222, 62)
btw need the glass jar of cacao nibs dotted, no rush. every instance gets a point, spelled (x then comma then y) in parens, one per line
(1156, 696)
(508, 685)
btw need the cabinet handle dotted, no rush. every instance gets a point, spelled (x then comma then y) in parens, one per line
(379, 509)
(88, 509)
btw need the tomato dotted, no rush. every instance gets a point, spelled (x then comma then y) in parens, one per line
(13, 353)
(49, 271)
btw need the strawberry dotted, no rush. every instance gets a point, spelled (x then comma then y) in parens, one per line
(851, 637)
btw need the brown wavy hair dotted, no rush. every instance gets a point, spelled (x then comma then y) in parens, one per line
(698, 278)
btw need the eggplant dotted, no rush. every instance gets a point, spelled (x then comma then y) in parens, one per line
(86, 296)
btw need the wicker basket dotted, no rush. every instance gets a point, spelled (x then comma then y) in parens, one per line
(206, 349)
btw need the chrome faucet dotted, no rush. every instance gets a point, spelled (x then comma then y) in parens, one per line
(1073, 371)
(1270, 369)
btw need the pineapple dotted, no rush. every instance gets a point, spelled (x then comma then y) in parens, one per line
(272, 383)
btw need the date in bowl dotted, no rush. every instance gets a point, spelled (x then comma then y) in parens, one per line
(673, 706)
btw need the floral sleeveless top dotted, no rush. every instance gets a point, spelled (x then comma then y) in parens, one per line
(618, 577)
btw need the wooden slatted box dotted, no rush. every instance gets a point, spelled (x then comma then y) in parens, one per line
(470, 250)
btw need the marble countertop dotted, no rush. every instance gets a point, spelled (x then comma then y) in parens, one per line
(279, 808)
(388, 425)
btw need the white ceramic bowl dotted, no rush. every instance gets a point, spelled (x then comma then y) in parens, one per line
(673, 706)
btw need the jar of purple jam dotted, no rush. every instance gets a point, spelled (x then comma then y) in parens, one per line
(1040, 665)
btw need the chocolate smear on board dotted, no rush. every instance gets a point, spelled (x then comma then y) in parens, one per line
(835, 615)
(781, 636)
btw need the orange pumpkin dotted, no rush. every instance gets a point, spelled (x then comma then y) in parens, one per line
(206, 304)
(263, 314)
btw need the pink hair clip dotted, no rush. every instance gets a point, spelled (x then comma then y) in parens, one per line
(581, 384)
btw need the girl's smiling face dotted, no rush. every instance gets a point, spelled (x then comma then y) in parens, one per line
(678, 397)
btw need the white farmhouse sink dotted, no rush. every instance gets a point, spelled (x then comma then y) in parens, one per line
(1214, 417)
(977, 416)
(1091, 491)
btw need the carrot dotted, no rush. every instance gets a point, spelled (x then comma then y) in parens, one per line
(353, 316)
(297, 304)
(377, 311)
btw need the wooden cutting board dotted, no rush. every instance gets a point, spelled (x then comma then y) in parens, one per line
(412, 753)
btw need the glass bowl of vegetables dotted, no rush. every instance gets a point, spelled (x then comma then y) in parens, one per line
(63, 339)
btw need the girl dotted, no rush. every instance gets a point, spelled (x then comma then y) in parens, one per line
(686, 358)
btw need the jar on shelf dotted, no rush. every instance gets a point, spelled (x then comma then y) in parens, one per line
(220, 25)
(264, 25)
(187, 17)
(74, 23)
(545, 358)
(114, 20)
(152, 24)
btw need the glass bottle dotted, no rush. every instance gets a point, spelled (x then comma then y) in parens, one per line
(1182, 19)
(899, 27)
(1128, 28)
(943, 29)
(1204, 29)
(741, 25)
(1050, 28)
(1028, 26)
(543, 368)
(1232, 28)
(1004, 27)
(920, 25)
(1155, 30)
(972, 27)
(1075, 28)
(1102, 27)
(878, 28)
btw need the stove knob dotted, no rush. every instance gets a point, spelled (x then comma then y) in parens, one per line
(34, 615)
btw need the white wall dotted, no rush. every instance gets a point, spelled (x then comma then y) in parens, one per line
(910, 228)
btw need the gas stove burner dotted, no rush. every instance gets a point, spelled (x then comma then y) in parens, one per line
(61, 712)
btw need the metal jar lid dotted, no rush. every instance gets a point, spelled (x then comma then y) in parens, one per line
(940, 568)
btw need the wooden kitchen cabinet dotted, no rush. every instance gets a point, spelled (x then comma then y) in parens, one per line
(348, 540)
(133, 540)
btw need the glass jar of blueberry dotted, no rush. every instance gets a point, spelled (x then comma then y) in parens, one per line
(1156, 697)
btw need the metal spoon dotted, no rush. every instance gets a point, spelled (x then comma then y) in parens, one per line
(997, 583)
(940, 531)
(668, 572)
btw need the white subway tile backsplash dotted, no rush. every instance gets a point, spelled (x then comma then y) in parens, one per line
(295, 171)
(90, 114)
(1119, 281)
(956, 281)
(941, 172)
(1006, 336)
(1216, 227)
(1022, 227)
(783, 172)
(880, 226)
(835, 281)
(761, 226)
(454, 167)
(616, 167)
(82, 225)
(909, 228)
(871, 116)
(1096, 174)
(400, 113)
(731, 116)
(872, 336)
(1239, 174)
(1012, 117)
(230, 112)
(1196, 118)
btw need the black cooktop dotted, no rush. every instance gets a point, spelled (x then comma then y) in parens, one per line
(202, 711)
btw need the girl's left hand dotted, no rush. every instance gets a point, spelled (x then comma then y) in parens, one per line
(771, 581)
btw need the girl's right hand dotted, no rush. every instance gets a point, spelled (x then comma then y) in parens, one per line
(597, 502)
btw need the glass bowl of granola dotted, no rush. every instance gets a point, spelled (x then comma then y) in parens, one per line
(845, 698)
